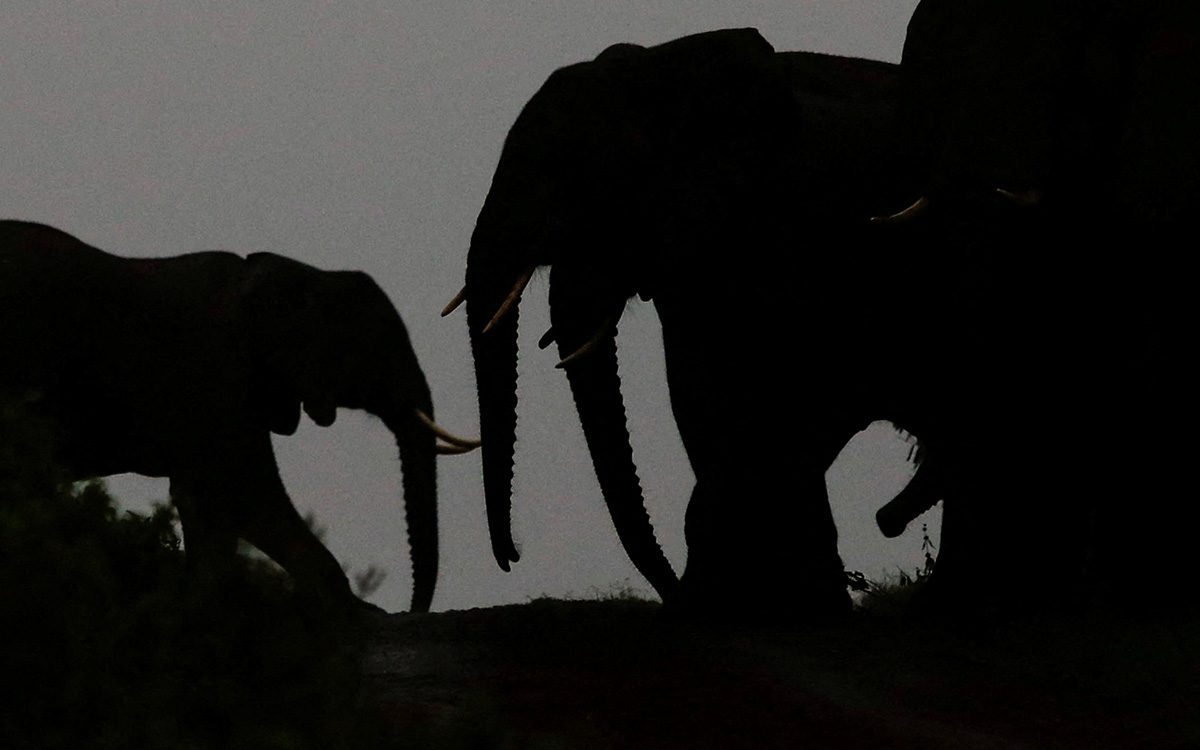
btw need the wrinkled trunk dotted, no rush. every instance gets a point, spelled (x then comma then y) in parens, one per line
(596, 387)
(495, 355)
(419, 467)
(921, 493)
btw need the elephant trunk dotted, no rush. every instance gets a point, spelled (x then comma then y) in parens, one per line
(418, 463)
(596, 388)
(495, 355)
(921, 493)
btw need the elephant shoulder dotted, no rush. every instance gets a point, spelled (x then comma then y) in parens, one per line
(45, 242)
(31, 231)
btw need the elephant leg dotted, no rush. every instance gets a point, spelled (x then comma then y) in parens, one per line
(278, 531)
(241, 495)
(760, 534)
(762, 543)
(799, 565)
(209, 537)
(762, 551)
(269, 521)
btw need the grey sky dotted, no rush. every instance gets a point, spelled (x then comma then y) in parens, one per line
(364, 135)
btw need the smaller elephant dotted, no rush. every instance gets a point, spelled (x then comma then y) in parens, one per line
(182, 367)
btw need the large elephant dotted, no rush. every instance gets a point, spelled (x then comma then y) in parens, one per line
(1088, 113)
(697, 174)
(182, 367)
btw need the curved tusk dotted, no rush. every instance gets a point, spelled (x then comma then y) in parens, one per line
(511, 299)
(591, 344)
(444, 435)
(453, 304)
(547, 338)
(1030, 197)
(451, 450)
(916, 209)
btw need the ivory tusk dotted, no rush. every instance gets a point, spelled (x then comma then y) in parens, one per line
(444, 435)
(1030, 197)
(511, 299)
(451, 450)
(916, 209)
(453, 304)
(591, 344)
(547, 338)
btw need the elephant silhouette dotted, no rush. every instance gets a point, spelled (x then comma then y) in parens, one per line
(692, 174)
(1083, 116)
(182, 367)
(735, 187)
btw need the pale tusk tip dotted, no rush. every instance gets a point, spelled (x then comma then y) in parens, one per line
(573, 357)
(1023, 198)
(513, 297)
(442, 449)
(449, 437)
(453, 304)
(918, 206)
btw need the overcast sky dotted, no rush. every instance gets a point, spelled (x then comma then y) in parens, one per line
(364, 135)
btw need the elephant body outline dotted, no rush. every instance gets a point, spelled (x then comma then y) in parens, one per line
(182, 367)
(684, 205)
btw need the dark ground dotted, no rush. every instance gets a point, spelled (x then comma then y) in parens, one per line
(614, 674)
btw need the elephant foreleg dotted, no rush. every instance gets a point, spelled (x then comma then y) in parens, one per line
(272, 524)
(209, 537)
(243, 496)
(757, 549)
(279, 532)
(760, 534)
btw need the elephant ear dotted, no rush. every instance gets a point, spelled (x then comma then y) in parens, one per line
(276, 301)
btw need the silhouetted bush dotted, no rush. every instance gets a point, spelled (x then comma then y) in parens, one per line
(894, 593)
(105, 643)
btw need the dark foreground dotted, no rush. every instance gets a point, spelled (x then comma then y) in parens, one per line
(613, 674)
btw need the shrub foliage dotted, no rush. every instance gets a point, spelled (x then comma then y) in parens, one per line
(105, 641)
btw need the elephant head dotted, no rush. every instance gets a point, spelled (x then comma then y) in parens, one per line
(330, 339)
(1092, 106)
(977, 78)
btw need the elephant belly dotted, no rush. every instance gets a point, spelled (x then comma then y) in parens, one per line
(90, 444)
